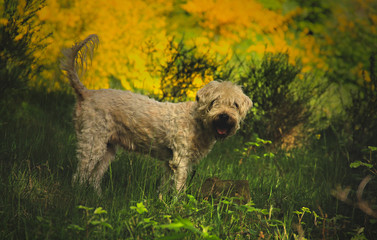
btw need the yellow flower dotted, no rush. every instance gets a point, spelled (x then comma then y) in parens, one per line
(3, 21)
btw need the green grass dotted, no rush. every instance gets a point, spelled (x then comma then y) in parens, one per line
(38, 201)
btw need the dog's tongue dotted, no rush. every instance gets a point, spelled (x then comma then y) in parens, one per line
(221, 131)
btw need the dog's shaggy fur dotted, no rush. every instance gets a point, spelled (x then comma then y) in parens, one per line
(178, 133)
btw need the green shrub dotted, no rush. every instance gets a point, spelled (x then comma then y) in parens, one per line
(361, 115)
(183, 66)
(18, 44)
(279, 107)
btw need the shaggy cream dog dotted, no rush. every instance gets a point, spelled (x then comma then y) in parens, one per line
(180, 134)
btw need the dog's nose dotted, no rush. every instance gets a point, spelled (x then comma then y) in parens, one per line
(224, 117)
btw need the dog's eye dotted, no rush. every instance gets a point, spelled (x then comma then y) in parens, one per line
(211, 104)
(236, 105)
(197, 98)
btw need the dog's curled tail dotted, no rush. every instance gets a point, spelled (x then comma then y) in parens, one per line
(75, 58)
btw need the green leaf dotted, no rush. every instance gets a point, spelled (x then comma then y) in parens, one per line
(264, 141)
(315, 214)
(140, 208)
(100, 210)
(189, 225)
(95, 222)
(355, 164)
(85, 208)
(359, 163)
(210, 237)
(373, 149)
(305, 209)
(264, 211)
(105, 224)
(181, 223)
(367, 165)
(297, 212)
(172, 226)
(275, 223)
(270, 155)
(76, 227)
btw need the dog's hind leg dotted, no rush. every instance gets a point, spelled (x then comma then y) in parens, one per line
(101, 168)
(92, 149)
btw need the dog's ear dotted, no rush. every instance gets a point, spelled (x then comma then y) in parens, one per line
(245, 105)
(203, 94)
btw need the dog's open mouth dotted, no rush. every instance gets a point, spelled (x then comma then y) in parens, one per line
(223, 125)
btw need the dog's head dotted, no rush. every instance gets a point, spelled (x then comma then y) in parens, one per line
(222, 106)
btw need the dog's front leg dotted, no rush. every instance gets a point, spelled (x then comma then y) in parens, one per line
(175, 174)
(180, 175)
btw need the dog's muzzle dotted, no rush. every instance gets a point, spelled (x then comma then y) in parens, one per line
(223, 125)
